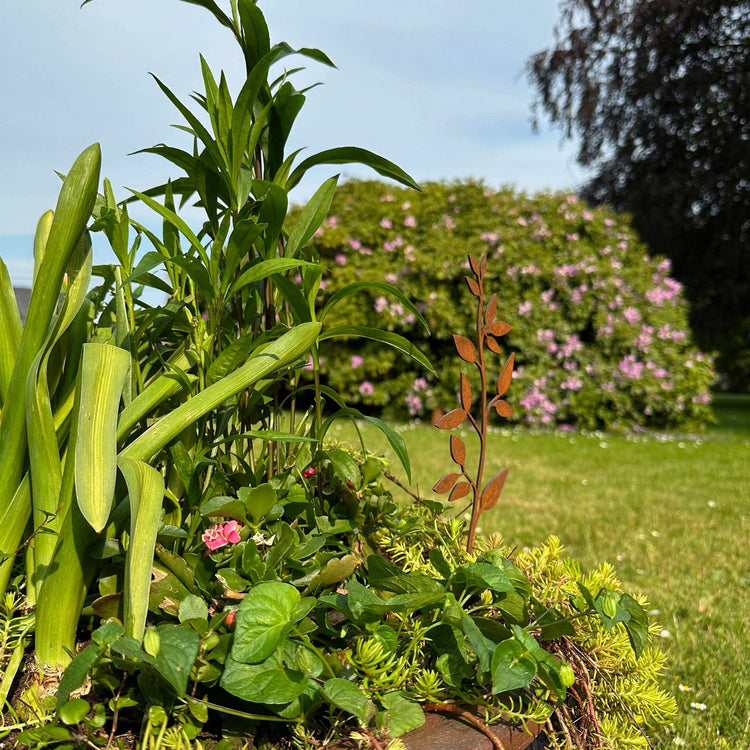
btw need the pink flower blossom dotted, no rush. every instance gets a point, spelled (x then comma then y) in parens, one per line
(387, 198)
(381, 304)
(525, 308)
(414, 404)
(406, 205)
(355, 244)
(410, 221)
(357, 361)
(631, 314)
(386, 223)
(366, 388)
(309, 471)
(702, 398)
(340, 259)
(221, 534)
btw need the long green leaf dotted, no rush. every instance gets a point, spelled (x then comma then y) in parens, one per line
(352, 155)
(358, 286)
(311, 217)
(176, 222)
(74, 206)
(280, 353)
(146, 490)
(13, 520)
(160, 389)
(104, 369)
(386, 337)
(44, 457)
(263, 270)
(10, 330)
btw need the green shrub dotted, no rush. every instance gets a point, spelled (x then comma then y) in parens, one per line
(600, 329)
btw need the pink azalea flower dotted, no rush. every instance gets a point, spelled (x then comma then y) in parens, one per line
(410, 221)
(366, 388)
(357, 361)
(386, 223)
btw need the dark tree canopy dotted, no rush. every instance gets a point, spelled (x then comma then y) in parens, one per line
(658, 92)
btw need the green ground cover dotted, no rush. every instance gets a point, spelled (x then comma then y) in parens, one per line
(672, 512)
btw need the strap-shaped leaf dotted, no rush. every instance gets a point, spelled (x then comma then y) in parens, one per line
(399, 343)
(74, 206)
(103, 372)
(146, 491)
(280, 353)
(311, 217)
(353, 155)
(382, 286)
(263, 270)
(10, 330)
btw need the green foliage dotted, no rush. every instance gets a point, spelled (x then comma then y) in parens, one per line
(600, 330)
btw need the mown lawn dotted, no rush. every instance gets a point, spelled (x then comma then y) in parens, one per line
(672, 512)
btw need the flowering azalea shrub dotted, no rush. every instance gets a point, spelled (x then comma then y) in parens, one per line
(600, 328)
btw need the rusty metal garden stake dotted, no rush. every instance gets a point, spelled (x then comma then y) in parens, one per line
(489, 329)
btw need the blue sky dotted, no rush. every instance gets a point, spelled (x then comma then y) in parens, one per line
(436, 86)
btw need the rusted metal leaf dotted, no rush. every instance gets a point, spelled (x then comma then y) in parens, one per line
(451, 420)
(503, 409)
(491, 311)
(483, 265)
(492, 491)
(445, 483)
(458, 450)
(493, 345)
(474, 263)
(465, 393)
(465, 348)
(503, 381)
(498, 328)
(473, 286)
(462, 489)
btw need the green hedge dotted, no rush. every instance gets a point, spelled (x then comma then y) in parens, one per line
(600, 329)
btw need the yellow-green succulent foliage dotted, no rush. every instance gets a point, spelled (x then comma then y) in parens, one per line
(626, 692)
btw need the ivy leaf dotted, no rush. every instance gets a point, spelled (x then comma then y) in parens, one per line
(512, 667)
(346, 696)
(482, 576)
(268, 682)
(636, 623)
(264, 619)
(465, 348)
(404, 714)
(177, 652)
(492, 491)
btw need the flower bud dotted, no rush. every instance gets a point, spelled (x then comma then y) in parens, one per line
(609, 603)
(567, 675)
